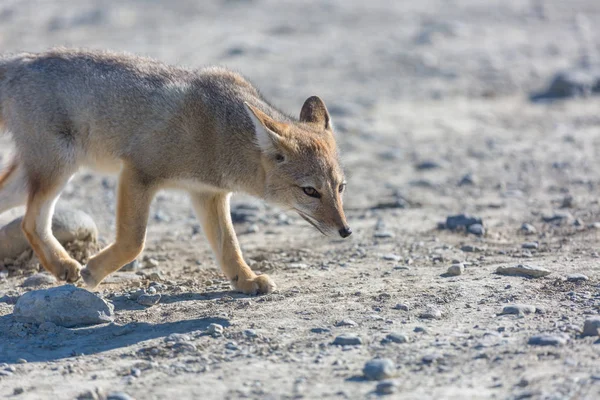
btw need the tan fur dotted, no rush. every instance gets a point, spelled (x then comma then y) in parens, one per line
(207, 131)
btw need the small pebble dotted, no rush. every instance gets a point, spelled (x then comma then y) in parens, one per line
(250, 333)
(400, 306)
(347, 339)
(386, 387)
(528, 229)
(18, 390)
(132, 266)
(431, 313)
(518, 309)
(577, 277)
(456, 269)
(215, 330)
(530, 245)
(346, 322)
(591, 326)
(397, 337)
(379, 368)
(119, 396)
(320, 330)
(476, 229)
(547, 340)
(149, 299)
(383, 234)
(391, 257)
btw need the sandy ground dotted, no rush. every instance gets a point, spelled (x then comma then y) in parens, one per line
(406, 82)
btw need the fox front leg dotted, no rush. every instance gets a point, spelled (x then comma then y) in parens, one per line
(214, 215)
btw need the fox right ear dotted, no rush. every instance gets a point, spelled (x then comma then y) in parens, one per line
(268, 131)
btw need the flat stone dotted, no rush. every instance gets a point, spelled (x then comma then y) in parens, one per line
(577, 277)
(523, 270)
(391, 257)
(66, 306)
(530, 245)
(547, 340)
(347, 339)
(397, 337)
(346, 322)
(591, 326)
(379, 368)
(320, 330)
(386, 387)
(518, 309)
(39, 279)
(67, 226)
(149, 299)
(461, 221)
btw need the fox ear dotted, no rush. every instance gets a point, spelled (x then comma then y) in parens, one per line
(314, 111)
(268, 131)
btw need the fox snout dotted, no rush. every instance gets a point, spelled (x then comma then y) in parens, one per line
(345, 232)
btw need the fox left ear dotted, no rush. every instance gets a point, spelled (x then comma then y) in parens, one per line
(314, 111)
(268, 131)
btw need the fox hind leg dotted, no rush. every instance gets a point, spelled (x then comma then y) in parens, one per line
(44, 190)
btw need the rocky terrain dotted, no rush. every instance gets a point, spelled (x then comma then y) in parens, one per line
(469, 132)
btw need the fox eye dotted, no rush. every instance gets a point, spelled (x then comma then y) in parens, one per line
(342, 187)
(312, 192)
(279, 158)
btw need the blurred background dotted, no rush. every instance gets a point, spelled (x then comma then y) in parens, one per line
(424, 94)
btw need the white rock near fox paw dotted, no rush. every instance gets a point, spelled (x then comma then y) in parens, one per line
(67, 226)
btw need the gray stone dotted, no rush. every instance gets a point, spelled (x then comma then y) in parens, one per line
(558, 218)
(528, 229)
(386, 387)
(576, 82)
(547, 340)
(530, 245)
(518, 309)
(461, 221)
(391, 257)
(119, 396)
(427, 165)
(456, 269)
(132, 266)
(397, 337)
(40, 279)
(67, 226)
(431, 313)
(530, 271)
(66, 306)
(577, 277)
(320, 330)
(400, 306)
(347, 339)
(591, 326)
(346, 322)
(149, 299)
(250, 333)
(383, 234)
(379, 368)
(476, 229)
(215, 330)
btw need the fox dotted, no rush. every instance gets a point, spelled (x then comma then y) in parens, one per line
(206, 131)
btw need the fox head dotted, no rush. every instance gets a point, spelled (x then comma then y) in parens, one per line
(302, 170)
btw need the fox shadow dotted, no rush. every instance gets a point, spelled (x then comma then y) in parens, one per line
(22, 341)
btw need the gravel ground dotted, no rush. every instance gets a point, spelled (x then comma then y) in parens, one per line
(432, 104)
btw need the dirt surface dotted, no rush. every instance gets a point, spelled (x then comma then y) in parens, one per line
(430, 101)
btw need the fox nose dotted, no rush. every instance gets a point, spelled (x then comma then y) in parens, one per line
(345, 232)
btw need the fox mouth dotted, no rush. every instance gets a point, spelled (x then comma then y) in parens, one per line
(311, 221)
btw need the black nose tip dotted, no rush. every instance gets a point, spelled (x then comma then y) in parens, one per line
(345, 232)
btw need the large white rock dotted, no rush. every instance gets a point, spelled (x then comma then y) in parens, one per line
(66, 306)
(67, 226)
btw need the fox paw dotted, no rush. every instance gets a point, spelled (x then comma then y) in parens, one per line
(67, 270)
(90, 280)
(260, 284)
